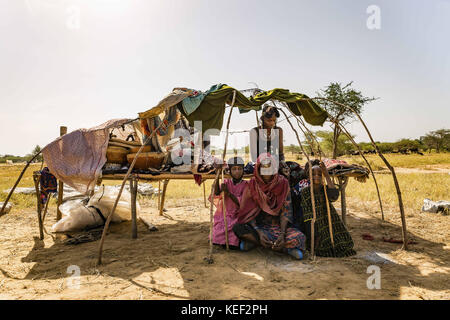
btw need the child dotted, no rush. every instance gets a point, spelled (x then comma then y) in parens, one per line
(233, 189)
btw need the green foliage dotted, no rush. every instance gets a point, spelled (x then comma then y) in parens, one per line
(385, 146)
(438, 140)
(405, 144)
(326, 140)
(345, 95)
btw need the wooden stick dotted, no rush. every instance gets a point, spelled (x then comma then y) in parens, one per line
(343, 181)
(397, 187)
(163, 197)
(300, 121)
(36, 179)
(224, 210)
(62, 131)
(133, 190)
(45, 209)
(330, 226)
(311, 188)
(159, 194)
(211, 225)
(2, 211)
(344, 130)
(108, 220)
(149, 225)
(204, 193)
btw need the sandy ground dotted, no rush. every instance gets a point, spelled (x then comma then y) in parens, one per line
(169, 263)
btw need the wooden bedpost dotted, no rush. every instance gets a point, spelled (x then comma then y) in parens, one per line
(62, 131)
(133, 190)
(159, 194)
(36, 179)
(343, 181)
(204, 193)
(163, 198)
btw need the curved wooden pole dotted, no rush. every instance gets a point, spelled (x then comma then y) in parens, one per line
(313, 202)
(209, 259)
(300, 123)
(344, 130)
(224, 211)
(17, 182)
(330, 226)
(394, 176)
(108, 220)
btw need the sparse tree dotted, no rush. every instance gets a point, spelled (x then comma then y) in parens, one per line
(439, 140)
(35, 151)
(345, 95)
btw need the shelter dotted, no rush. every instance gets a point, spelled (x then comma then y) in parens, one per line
(80, 158)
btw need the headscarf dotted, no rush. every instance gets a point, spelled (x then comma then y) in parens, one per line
(235, 161)
(259, 196)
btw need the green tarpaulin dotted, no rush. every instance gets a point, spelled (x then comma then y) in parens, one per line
(212, 108)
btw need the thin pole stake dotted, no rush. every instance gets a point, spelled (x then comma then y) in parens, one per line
(2, 211)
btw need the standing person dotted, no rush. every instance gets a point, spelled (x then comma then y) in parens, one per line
(265, 217)
(267, 138)
(233, 189)
(343, 243)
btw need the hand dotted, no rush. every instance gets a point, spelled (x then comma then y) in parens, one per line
(224, 188)
(265, 242)
(279, 244)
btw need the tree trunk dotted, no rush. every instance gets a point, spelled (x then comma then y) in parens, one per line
(336, 133)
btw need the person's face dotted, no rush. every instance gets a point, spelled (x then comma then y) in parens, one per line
(269, 123)
(237, 172)
(317, 176)
(267, 178)
(266, 172)
(286, 171)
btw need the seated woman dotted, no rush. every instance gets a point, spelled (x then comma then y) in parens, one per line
(343, 243)
(265, 216)
(233, 189)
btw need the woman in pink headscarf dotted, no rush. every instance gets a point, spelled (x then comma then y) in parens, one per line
(265, 215)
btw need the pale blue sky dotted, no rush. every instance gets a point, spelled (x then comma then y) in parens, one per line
(126, 55)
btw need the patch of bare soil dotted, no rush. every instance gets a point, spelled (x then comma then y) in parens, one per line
(169, 263)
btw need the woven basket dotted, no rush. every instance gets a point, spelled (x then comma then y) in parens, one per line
(145, 149)
(116, 155)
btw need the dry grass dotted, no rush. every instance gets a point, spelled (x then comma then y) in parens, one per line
(403, 161)
(414, 187)
(9, 175)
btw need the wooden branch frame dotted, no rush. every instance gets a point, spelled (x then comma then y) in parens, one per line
(344, 130)
(394, 176)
